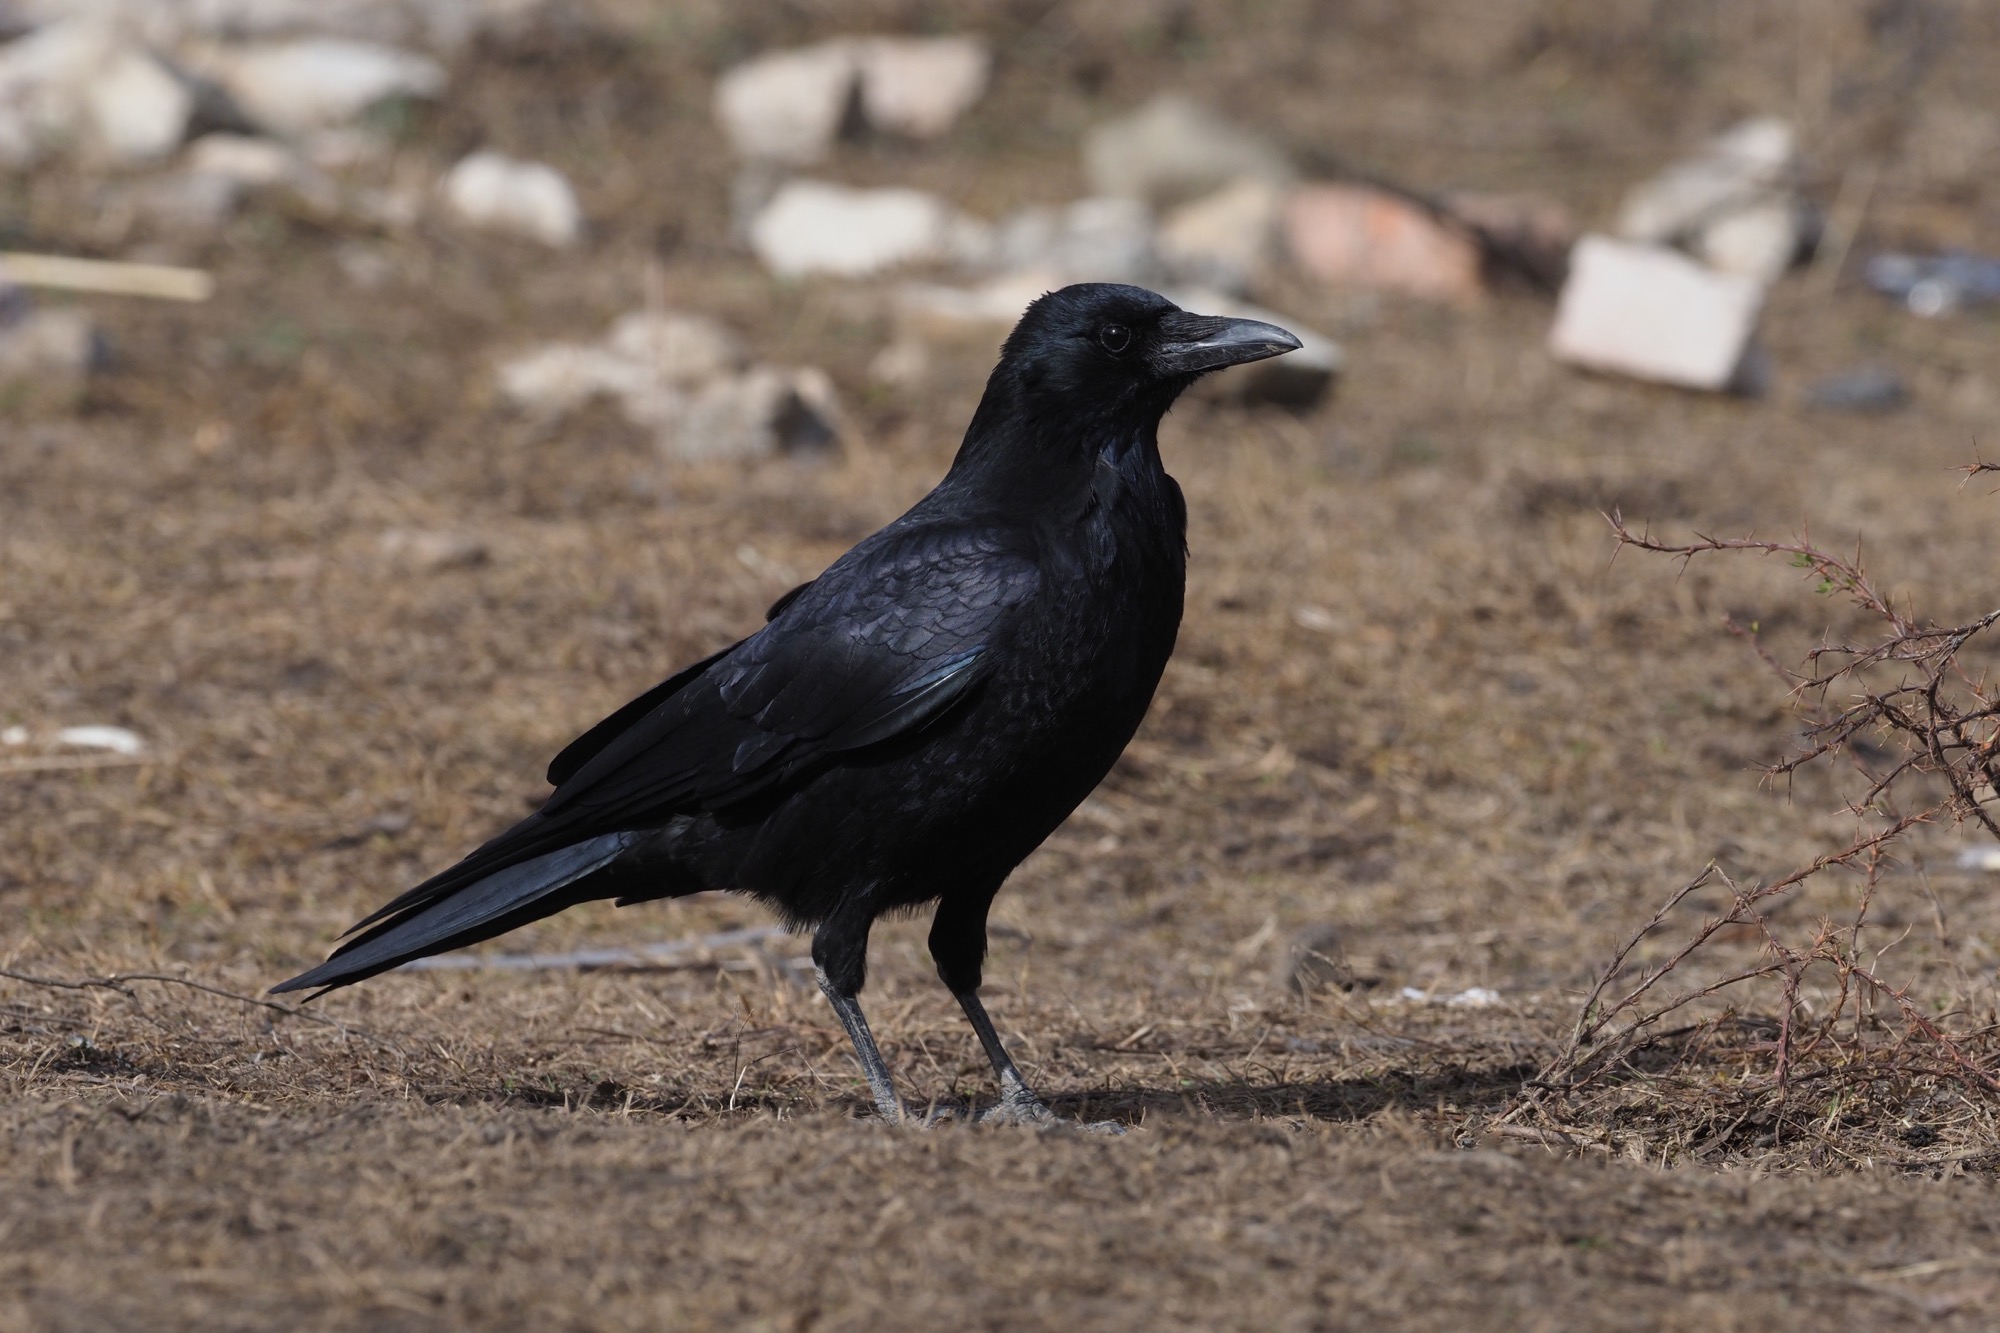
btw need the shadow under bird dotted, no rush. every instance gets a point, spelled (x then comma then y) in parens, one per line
(908, 726)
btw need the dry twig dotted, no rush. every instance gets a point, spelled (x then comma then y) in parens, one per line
(1923, 731)
(121, 984)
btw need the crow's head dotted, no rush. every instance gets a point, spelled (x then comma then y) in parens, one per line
(1102, 347)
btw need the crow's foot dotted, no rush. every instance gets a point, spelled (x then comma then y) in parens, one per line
(1028, 1109)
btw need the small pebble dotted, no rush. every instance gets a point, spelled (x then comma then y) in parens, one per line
(428, 552)
(115, 739)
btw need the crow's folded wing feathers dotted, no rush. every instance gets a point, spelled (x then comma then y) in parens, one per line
(585, 747)
(580, 751)
(883, 642)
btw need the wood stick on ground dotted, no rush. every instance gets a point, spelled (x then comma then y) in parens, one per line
(121, 983)
(109, 277)
(693, 951)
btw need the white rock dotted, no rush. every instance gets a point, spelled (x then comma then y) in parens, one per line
(644, 360)
(291, 87)
(812, 227)
(1317, 619)
(682, 377)
(118, 740)
(139, 108)
(788, 106)
(245, 159)
(1759, 240)
(1737, 168)
(1172, 149)
(920, 86)
(561, 376)
(683, 349)
(1223, 239)
(43, 76)
(1104, 239)
(1731, 204)
(429, 551)
(1653, 313)
(504, 194)
(1972, 858)
(437, 24)
(764, 411)
(1473, 997)
(13, 736)
(59, 56)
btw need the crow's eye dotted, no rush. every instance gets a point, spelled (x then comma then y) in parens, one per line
(1114, 337)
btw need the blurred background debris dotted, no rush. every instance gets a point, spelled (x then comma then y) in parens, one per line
(1934, 285)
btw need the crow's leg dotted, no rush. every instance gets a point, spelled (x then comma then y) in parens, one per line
(879, 1082)
(840, 961)
(1018, 1102)
(958, 944)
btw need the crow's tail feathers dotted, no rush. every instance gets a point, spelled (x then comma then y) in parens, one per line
(479, 911)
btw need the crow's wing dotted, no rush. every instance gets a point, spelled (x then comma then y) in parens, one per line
(881, 644)
(585, 747)
(581, 750)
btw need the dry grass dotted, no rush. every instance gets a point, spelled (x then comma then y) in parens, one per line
(1417, 712)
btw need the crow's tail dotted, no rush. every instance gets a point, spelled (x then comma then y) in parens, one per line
(482, 909)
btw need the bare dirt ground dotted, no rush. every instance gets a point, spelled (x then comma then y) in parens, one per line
(1417, 710)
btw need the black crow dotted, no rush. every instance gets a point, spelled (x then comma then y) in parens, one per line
(908, 726)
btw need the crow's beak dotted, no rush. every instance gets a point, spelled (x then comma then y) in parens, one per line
(1193, 344)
